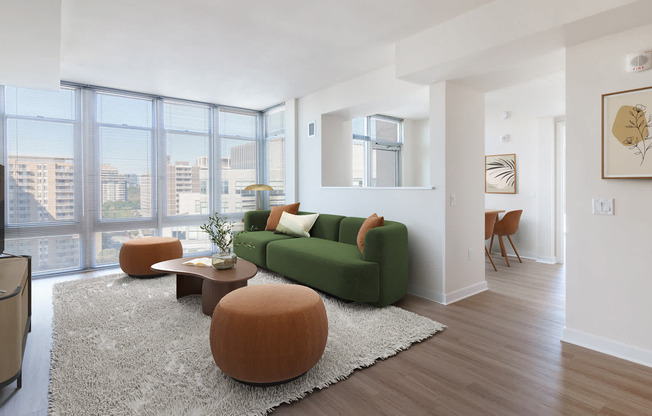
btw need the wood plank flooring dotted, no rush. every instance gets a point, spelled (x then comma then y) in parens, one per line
(500, 355)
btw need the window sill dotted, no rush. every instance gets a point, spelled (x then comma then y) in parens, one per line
(380, 188)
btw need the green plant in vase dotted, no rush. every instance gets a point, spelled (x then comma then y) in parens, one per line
(220, 232)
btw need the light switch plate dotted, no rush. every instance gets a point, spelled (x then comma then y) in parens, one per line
(603, 206)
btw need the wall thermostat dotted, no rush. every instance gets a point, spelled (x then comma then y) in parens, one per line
(311, 129)
(638, 61)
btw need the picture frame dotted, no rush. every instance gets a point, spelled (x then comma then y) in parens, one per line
(500, 174)
(627, 134)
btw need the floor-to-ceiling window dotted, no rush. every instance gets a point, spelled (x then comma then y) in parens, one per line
(124, 133)
(43, 190)
(187, 190)
(89, 168)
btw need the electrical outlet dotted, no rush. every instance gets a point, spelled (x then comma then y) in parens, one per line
(470, 254)
(453, 202)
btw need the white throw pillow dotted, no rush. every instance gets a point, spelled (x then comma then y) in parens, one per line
(306, 221)
(288, 226)
(296, 225)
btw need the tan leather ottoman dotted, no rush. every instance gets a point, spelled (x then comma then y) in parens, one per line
(268, 334)
(138, 255)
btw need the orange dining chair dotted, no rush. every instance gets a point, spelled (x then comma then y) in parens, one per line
(507, 226)
(489, 222)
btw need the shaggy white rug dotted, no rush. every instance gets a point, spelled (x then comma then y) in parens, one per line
(125, 346)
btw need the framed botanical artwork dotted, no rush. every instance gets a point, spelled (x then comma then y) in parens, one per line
(626, 128)
(500, 174)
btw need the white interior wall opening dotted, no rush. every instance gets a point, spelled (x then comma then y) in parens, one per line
(525, 120)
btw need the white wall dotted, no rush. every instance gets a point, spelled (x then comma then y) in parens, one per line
(423, 211)
(609, 278)
(464, 198)
(416, 161)
(336, 151)
(31, 34)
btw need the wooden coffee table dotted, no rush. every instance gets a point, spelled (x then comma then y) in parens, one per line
(210, 283)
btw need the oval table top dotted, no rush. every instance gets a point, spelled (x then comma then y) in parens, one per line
(243, 270)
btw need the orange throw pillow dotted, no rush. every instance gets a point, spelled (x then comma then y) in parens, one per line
(372, 222)
(275, 215)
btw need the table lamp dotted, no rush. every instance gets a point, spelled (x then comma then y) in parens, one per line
(258, 187)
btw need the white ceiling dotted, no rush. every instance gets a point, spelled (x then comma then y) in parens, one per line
(539, 97)
(245, 53)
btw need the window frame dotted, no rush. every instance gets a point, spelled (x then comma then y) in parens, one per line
(166, 218)
(48, 229)
(371, 143)
(258, 159)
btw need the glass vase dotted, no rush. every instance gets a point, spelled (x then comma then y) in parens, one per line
(224, 260)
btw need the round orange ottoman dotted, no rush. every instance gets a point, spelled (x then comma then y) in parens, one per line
(268, 334)
(138, 255)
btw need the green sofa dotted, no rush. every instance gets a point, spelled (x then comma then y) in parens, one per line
(330, 259)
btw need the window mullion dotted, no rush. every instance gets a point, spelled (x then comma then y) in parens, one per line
(215, 163)
(368, 171)
(92, 182)
(3, 140)
(159, 167)
(261, 159)
(84, 150)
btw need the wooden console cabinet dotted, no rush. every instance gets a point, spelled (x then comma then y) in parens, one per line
(15, 316)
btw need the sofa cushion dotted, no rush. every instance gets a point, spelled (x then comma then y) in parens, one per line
(298, 225)
(326, 265)
(349, 229)
(289, 226)
(326, 226)
(372, 222)
(276, 212)
(256, 220)
(259, 241)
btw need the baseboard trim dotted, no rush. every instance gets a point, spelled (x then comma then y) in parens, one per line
(447, 299)
(465, 292)
(437, 297)
(547, 260)
(608, 346)
(496, 255)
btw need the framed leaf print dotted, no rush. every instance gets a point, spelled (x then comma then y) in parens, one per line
(500, 174)
(626, 134)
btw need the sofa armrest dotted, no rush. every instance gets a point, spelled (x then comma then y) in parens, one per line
(256, 219)
(388, 246)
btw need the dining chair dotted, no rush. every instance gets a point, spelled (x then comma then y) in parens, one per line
(489, 222)
(507, 227)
